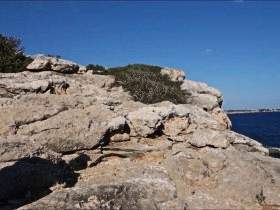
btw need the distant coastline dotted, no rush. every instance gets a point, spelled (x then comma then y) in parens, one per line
(248, 111)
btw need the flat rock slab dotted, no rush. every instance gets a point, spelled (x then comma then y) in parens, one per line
(71, 130)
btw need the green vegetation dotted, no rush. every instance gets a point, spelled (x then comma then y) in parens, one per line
(54, 56)
(95, 68)
(12, 58)
(146, 84)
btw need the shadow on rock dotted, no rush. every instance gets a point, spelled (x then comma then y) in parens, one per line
(274, 152)
(30, 179)
(79, 162)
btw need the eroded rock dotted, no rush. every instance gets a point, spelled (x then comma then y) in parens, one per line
(202, 95)
(128, 155)
(174, 74)
(144, 122)
(207, 137)
(176, 126)
(46, 63)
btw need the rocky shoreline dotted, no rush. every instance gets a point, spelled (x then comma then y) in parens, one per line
(74, 141)
(251, 111)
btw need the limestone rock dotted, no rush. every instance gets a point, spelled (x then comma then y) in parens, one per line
(174, 74)
(75, 141)
(26, 83)
(15, 116)
(200, 87)
(205, 120)
(206, 137)
(202, 95)
(206, 101)
(42, 62)
(15, 148)
(71, 130)
(135, 187)
(221, 117)
(176, 126)
(144, 122)
(252, 145)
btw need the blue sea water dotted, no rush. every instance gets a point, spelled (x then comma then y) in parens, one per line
(263, 127)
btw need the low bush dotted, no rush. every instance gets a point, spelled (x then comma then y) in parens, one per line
(147, 85)
(95, 68)
(54, 56)
(12, 58)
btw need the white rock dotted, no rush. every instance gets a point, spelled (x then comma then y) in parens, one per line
(206, 101)
(202, 95)
(144, 121)
(116, 123)
(207, 137)
(174, 74)
(183, 110)
(200, 87)
(44, 63)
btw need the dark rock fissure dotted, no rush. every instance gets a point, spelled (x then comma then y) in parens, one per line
(101, 158)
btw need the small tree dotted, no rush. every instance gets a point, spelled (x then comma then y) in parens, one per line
(12, 58)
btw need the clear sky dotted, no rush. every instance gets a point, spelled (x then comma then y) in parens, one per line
(232, 45)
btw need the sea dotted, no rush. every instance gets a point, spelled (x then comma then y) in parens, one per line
(263, 126)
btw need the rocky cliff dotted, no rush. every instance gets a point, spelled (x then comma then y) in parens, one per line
(75, 141)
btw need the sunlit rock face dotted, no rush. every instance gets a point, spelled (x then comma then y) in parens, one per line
(174, 74)
(45, 63)
(75, 141)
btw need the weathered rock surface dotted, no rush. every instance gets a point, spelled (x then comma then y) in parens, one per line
(43, 63)
(174, 74)
(207, 137)
(202, 95)
(75, 142)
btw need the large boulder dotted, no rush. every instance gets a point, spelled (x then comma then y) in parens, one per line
(144, 122)
(202, 95)
(200, 87)
(47, 63)
(205, 101)
(147, 121)
(174, 74)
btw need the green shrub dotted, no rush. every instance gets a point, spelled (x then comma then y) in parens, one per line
(54, 56)
(95, 68)
(147, 85)
(12, 58)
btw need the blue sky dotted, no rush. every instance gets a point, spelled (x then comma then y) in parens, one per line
(232, 45)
